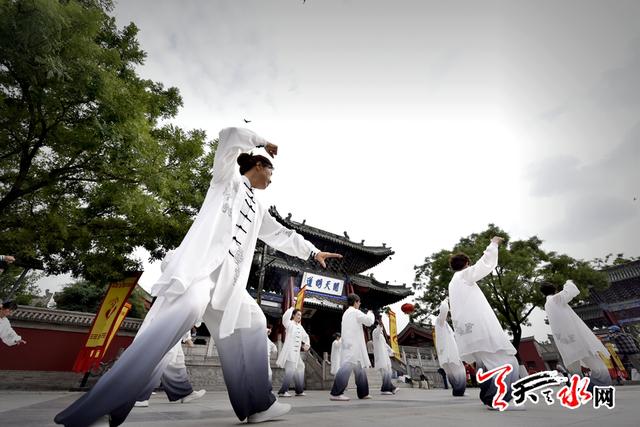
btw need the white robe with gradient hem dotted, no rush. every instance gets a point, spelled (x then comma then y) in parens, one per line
(295, 337)
(574, 339)
(354, 348)
(445, 339)
(475, 324)
(381, 350)
(220, 244)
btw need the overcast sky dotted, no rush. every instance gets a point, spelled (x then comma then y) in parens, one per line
(415, 123)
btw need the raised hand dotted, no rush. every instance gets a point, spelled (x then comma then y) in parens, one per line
(271, 149)
(322, 256)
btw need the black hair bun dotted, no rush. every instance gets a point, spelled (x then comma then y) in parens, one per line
(244, 159)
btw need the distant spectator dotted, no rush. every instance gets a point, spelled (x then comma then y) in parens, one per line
(626, 345)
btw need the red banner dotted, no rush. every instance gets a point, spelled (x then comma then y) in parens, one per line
(106, 323)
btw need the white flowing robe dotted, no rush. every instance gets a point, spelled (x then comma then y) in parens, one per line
(573, 337)
(223, 237)
(336, 347)
(354, 348)
(381, 350)
(295, 337)
(445, 340)
(7, 334)
(475, 324)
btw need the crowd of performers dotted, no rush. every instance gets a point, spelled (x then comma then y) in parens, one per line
(204, 280)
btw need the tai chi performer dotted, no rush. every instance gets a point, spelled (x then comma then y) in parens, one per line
(336, 346)
(575, 341)
(477, 330)
(7, 334)
(175, 379)
(354, 356)
(206, 279)
(290, 359)
(448, 355)
(382, 362)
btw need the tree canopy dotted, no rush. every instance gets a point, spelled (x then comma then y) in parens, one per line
(513, 288)
(90, 168)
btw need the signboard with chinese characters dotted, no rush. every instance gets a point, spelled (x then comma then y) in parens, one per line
(322, 284)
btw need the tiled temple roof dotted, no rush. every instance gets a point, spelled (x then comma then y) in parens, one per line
(27, 313)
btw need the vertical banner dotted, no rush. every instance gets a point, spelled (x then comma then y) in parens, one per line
(123, 313)
(393, 333)
(616, 360)
(300, 298)
(104, 324)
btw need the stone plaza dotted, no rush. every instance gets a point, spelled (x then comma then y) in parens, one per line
(410, 407)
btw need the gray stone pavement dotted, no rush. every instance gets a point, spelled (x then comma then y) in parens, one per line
(411, 407)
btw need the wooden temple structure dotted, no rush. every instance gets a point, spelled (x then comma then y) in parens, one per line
(619, 304)
(276, 278)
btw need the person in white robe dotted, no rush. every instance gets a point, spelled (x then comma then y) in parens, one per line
(336, 346)
(478, 333)
(290, 359)
(381, 355)
(448, 355)
(206, 279)
(353, 356)
(272, 349)
(175, 378)
(7, 334)
(576, 343)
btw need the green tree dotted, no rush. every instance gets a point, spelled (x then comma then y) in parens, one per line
(512, 289)
(20, 289)
(80, 296)
(86, 297)
(89, 167)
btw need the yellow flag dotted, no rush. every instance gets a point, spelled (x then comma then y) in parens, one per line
(616, 359)
(393, 333)
(300, 298)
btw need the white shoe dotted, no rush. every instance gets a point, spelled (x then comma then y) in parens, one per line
(142, 404)
(276, 410)
(301, 394)
(368, 396)
(386, 393)
(285, 394)
(341, 398)
(193, 396)
(101, 422)
(396, 390)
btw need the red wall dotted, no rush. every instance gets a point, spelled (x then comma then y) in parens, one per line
(50, 350)
(529, 355)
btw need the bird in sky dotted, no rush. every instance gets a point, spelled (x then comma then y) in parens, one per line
(247, 121)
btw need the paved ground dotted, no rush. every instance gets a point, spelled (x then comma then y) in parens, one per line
(411, 407)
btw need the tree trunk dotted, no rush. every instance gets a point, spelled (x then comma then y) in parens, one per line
(516, 330)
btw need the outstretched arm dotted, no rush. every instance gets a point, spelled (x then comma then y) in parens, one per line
(568, 292)
(286, 317)
(442, 316)
(232, 142)
(486, 264)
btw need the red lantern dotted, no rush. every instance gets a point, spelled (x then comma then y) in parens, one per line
(407, 308)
